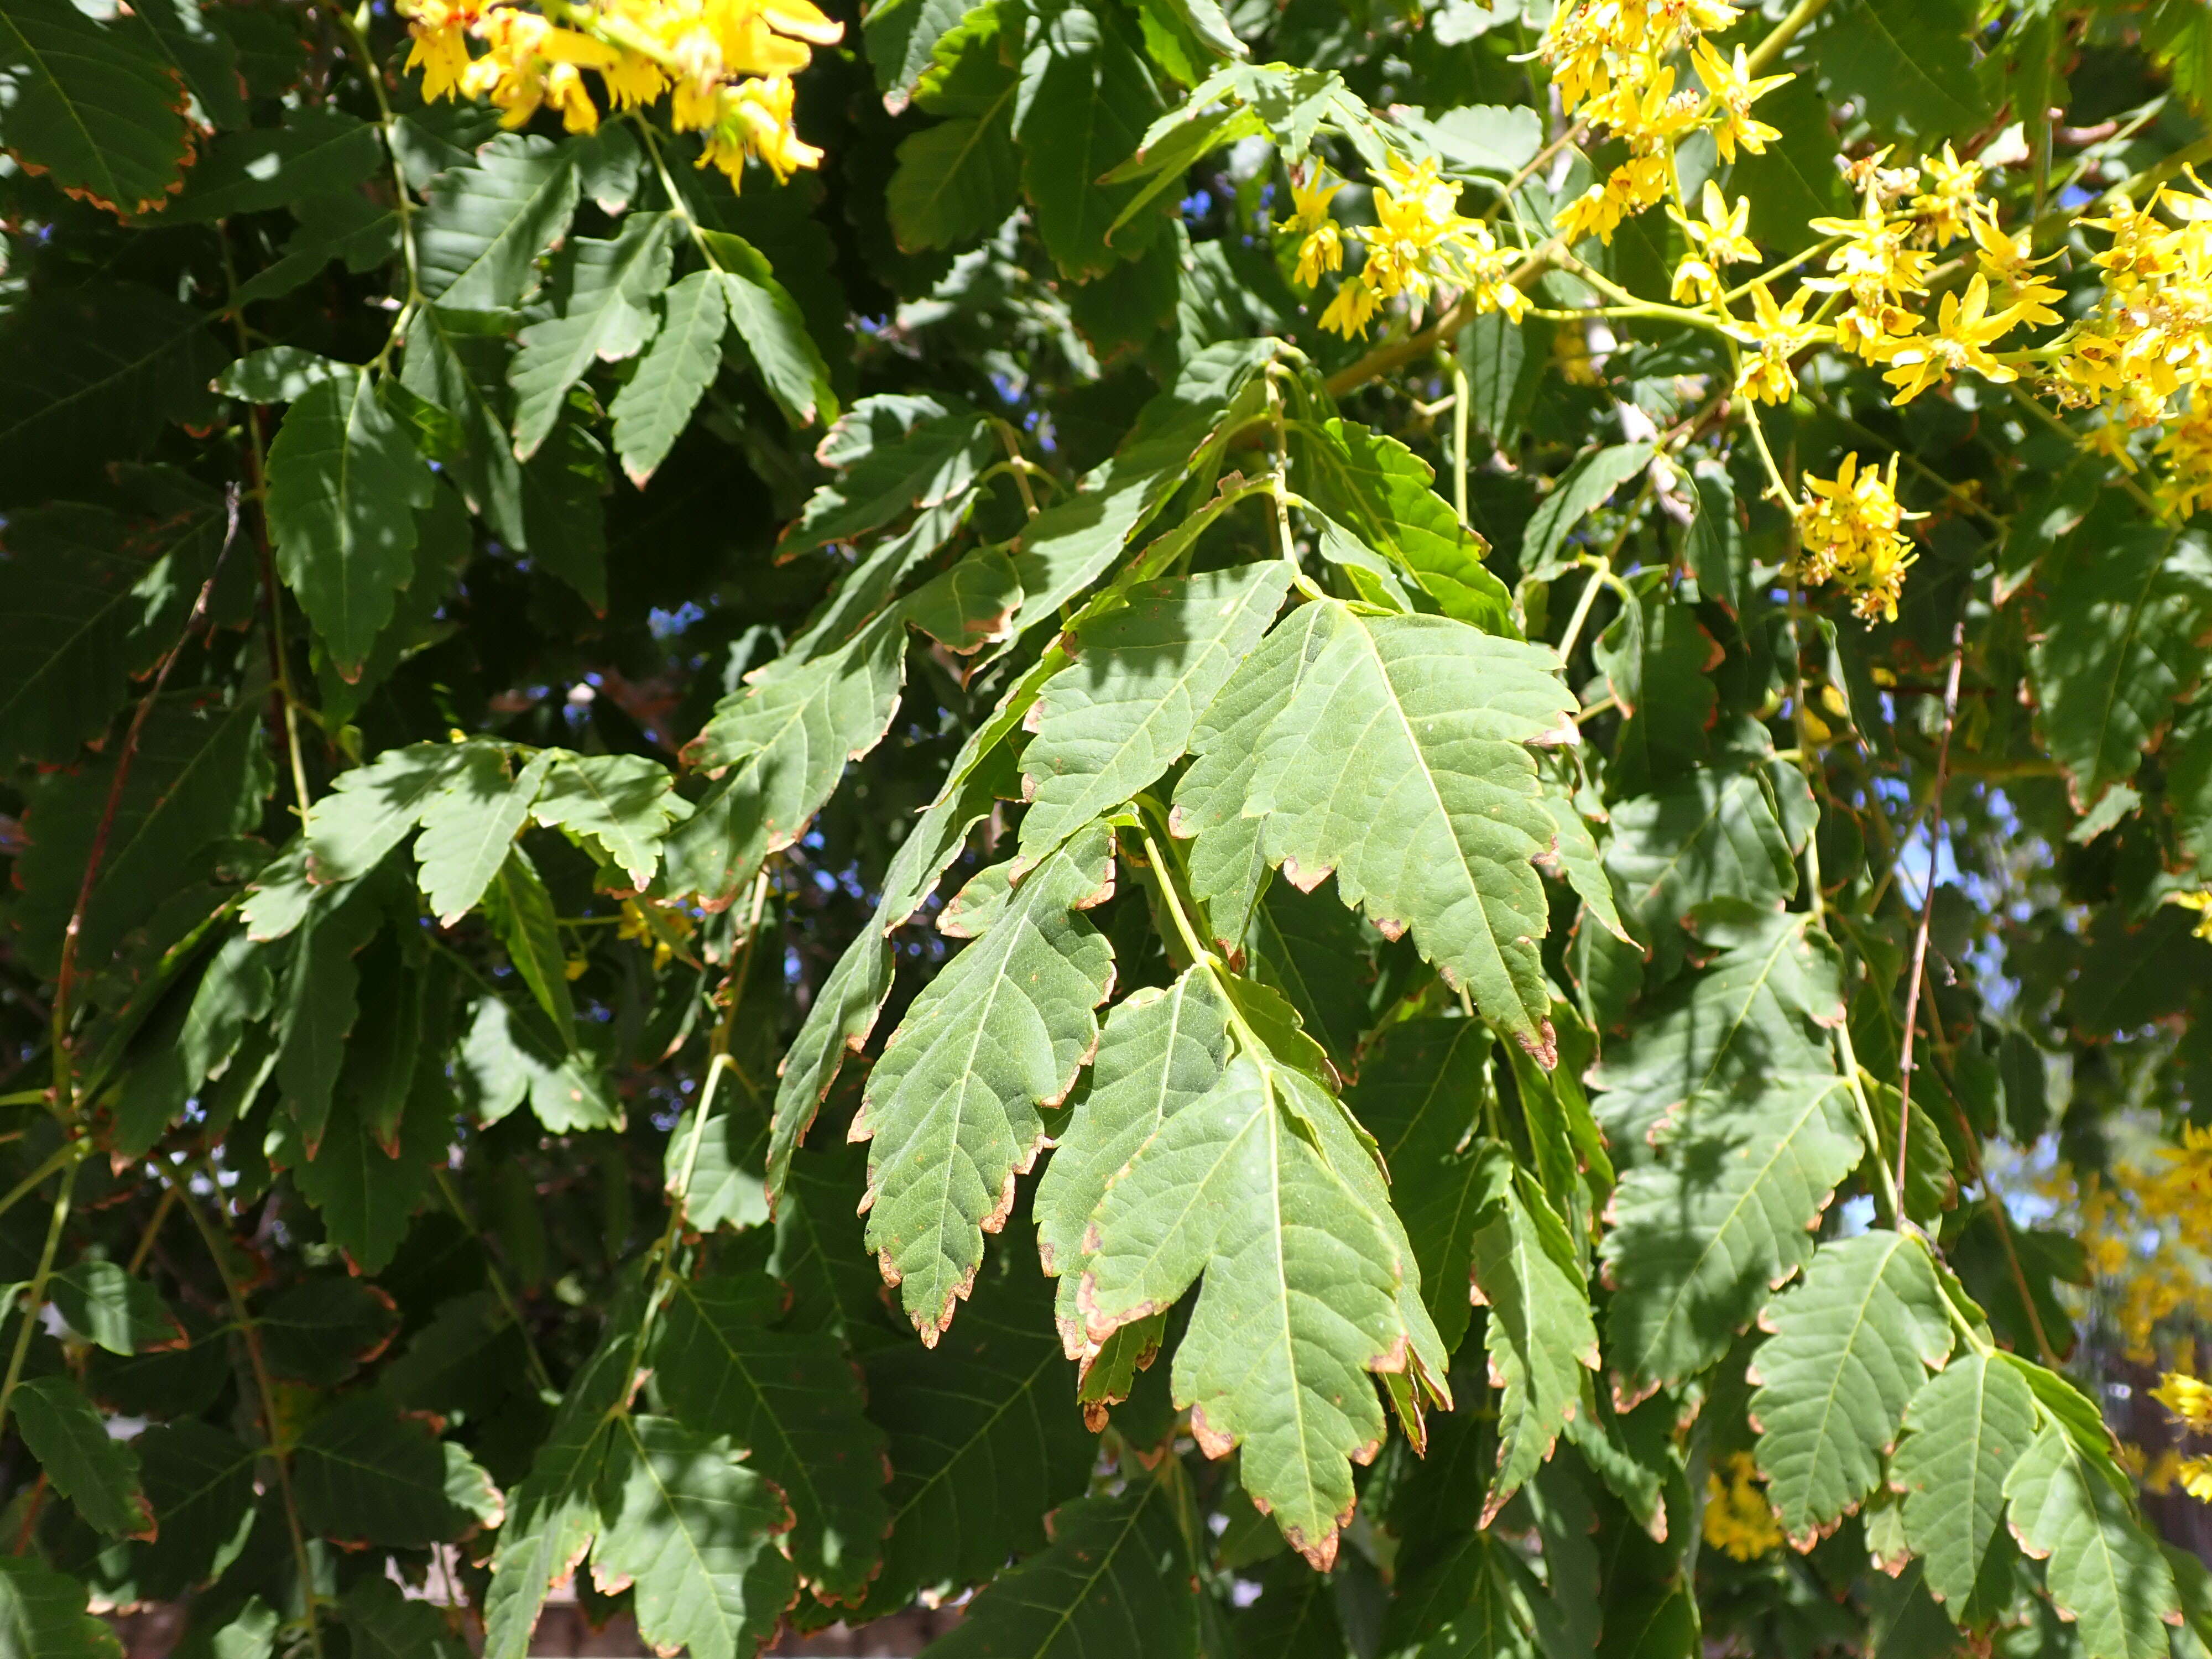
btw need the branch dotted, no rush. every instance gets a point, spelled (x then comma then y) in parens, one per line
(1928, 899)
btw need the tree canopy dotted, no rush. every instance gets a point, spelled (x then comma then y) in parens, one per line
(1290, 830)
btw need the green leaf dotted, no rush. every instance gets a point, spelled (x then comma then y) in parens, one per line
(370, 810)
(1385, 493)
(1658, 658)
(42, 1615)
(1315, 954)
(970, 605)
(470, 825)
(792, 1404)
(363, 1473)
(622, 803)
(1708, 835)
(92, 373)
(562, 492)
(458, 360)
(961, 177)
(694, 1530)
(1581, 491)
(1504, 362)
(951, 1108)
(553, 1511)
(521, 910)
(1420, 1089)
(893, 453)
(1110, 723)
(320, 150)
(1964, 1431)
(97, 1473)
(197, 777)
(2103, 1569)
(783, 743)
(344, 484)
(82, 609)
(653, 409)
(985, 1439)
(1401, 763)
(200, 1482)
(901, 34)
(1539, 1338)
(477, 241)
(505, 1060)
(1227, 863)
(1760, 1009)
(774, 330)
(365, 1195)
(1907, 64)
(1084, 99)
(1851, 1345)
(2118, 649)
(600, 299)
(1160, 1051)
(324, 1329)
(1300, 1299)
(384, 1622)
(1697, 1240)
(121, 1313)
(1118, 1578)
(93, 104)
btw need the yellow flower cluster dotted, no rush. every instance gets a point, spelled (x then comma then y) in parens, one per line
(1848, 529)
(1419, 242)
(1738, 1518)
(1608, 61)
(2188, 1399)
(2147, 1236)
(727, 66)
(2147, 340)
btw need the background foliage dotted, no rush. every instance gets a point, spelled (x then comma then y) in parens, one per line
(802, 896)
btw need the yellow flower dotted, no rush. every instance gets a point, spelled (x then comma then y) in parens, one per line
(1719, 239)
(2188, 1399)
(1733, 92)
(1738, 1519)
(2197, 1478)
(1947, 209)
(1848, 530)
(1633, 186)
(440, 50)
(2004, 260)
(1776, 333)
(1963, 331)
(1352, 309)
(1321, 246)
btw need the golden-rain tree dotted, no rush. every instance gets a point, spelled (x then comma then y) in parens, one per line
(1333, 828)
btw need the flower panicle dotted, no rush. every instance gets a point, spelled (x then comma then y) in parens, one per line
(725, 66)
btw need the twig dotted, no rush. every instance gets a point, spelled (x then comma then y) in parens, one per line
(1928, 899)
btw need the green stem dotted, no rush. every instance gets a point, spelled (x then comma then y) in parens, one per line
(1779, 37)
(34, 1298)
(217, 1246)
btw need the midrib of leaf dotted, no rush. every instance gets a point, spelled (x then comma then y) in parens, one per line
(668, 1504)
(344, 498)
(1021, 1392)
(54, 80)
(947, 176)
(1650, 889)
(1306, 1459)
(775, 1419)
(1105, 1565)
(1742, 1015)
(1858, 1322)
(1904, 56)
(521, 203)
(1783, 1144)
(1393, 707)
(94, 388)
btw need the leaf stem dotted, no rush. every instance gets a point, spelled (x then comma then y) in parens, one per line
(279, 1455)
(35, 1297)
